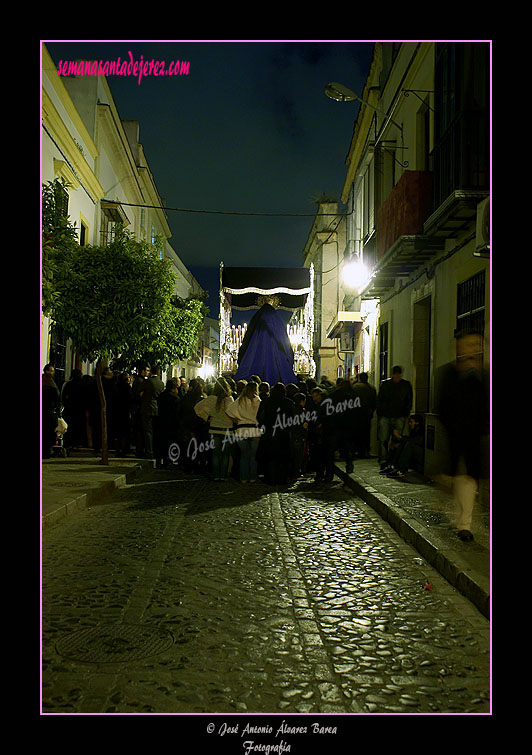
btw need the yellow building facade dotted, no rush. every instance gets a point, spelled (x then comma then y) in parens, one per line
(417, 192)
(100, 157)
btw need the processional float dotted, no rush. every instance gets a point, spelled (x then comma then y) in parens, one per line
(264, 288)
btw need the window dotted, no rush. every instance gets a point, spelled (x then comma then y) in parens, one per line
(470, 304)
(107, 230)
(461, 118)
(362, 221)
(383, 351)
(446, 78)
(83, 233)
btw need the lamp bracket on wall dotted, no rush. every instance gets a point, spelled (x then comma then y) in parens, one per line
(403, 164)
(407, 92)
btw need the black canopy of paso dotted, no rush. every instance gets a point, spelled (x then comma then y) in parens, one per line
(243, 285)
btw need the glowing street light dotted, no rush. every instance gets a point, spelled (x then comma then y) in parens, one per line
(355, 273)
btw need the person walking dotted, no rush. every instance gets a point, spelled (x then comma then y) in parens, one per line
(394, 403)
(149, 409)
(462, 404)
(244, 412)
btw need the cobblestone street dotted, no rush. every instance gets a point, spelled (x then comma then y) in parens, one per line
(181, 595)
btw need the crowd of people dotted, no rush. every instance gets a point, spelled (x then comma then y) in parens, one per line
(248, 429)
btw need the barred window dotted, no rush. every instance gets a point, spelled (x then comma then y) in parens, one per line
(470, 304)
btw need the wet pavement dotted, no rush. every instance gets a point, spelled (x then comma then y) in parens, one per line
(175, 594)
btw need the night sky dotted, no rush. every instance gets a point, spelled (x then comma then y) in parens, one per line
(248, 130)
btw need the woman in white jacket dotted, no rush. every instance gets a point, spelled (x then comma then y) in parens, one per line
(244, 412)
(213, 410)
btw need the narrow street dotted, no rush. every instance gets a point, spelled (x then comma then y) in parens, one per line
(181, 595)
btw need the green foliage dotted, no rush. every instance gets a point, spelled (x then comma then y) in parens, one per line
(116, 299)
(59, 241)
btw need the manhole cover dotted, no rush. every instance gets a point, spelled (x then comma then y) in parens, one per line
(114, 643)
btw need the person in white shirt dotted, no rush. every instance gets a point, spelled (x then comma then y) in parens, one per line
(244, 412)
(213, 410)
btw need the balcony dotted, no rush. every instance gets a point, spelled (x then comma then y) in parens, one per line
(461, 171)
(402, 259)
(404, 210)
(402, 246)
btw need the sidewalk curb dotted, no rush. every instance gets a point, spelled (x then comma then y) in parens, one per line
(448, 563)
(69, 505)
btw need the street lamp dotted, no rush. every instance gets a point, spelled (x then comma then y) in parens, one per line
(341, 93)
(354, 273)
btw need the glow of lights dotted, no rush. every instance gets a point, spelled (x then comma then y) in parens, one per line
(355, 274)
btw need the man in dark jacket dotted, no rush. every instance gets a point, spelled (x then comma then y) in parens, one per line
(394, 404)
(149, 409)
(346, 412)
(137, 391)
(322, 437)
(368, 401)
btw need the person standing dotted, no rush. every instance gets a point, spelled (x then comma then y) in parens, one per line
(183, 386)
(244, 412)
(123, 414)
(74, 411)
(275, 414)
(149, 409)
(368, 402)
(51, 410)
(347, 421)
(299, 435)
(462, 404)
(137, 390)
(212, 410)
(394, 404)
(167, 423)
(321, 437)
(190, 427)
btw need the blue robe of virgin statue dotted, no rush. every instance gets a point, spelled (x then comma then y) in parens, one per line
(266, 350)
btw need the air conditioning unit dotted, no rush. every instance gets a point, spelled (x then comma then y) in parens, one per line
(482, 244)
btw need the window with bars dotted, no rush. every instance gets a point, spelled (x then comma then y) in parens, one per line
(470, 304)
